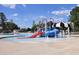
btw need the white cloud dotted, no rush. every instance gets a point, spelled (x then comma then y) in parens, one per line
(58, 19)
(15, 14)
(42, 17)
(12, 6)
(61, 12)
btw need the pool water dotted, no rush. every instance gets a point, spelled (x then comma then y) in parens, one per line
(16, 38)
(21, 37)
(24, 34)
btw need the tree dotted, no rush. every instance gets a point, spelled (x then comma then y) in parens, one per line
(28, 29)
(34, 26)
(74, 17)
(25, 30)
(2, 20)
(10, 26)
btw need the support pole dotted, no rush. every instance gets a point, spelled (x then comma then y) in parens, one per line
(68, 33)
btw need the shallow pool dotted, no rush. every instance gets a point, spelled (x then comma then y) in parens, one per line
(20, 37)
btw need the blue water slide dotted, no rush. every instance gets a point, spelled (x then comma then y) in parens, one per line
(51, 33)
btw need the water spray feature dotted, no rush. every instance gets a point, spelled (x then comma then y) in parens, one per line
(48, 33)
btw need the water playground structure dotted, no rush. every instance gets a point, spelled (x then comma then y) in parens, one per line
(55, 31)
(49, 33)
(44, 34)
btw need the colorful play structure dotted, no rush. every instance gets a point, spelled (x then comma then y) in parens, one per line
(48, 32)
(51, 32)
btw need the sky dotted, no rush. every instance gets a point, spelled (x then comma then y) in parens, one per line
(24, 14)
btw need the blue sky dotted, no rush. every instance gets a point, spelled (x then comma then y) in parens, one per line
(24, 14)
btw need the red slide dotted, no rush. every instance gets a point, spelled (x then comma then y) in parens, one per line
(34, 35)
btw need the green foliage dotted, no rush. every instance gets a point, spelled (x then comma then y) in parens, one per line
(74, 17)
(25, 30)
(6, 26)
(28, 29)
(10, 26)
(34, 28)
(2, 20)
